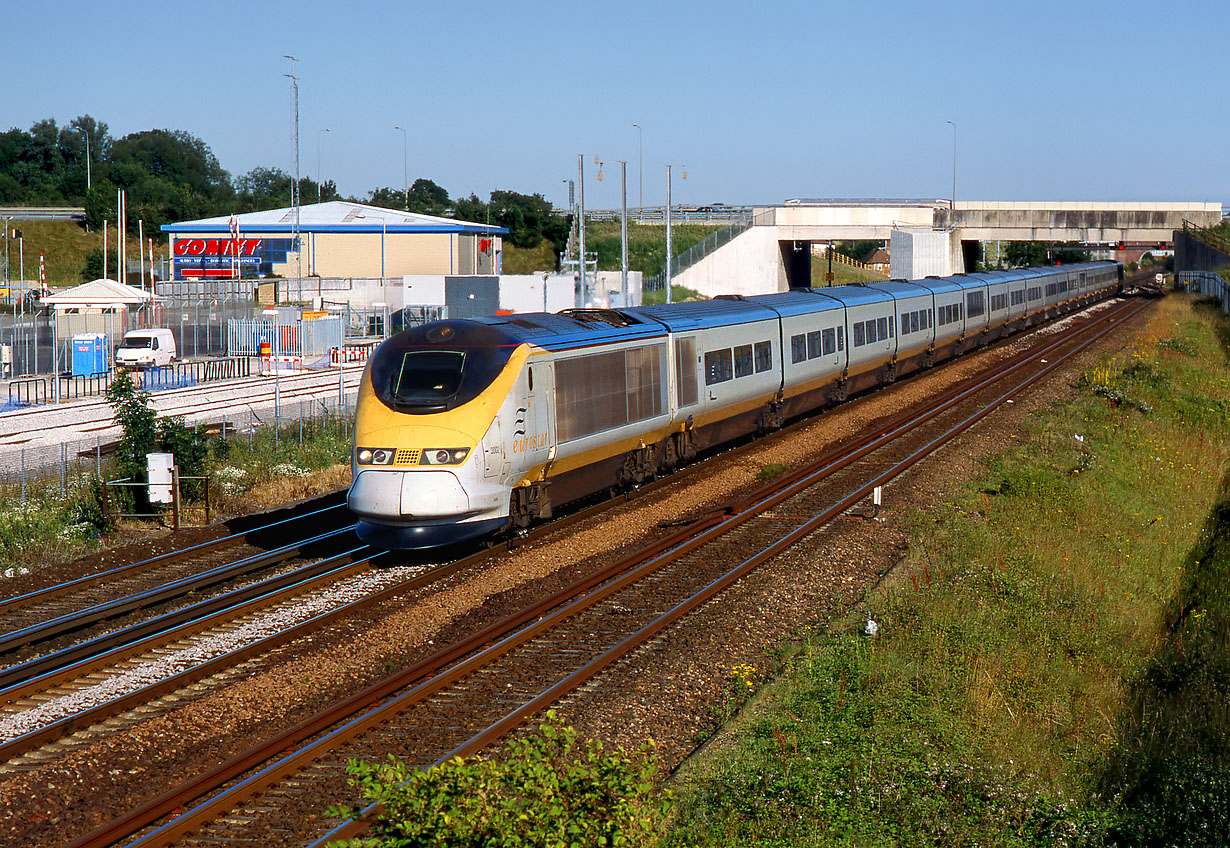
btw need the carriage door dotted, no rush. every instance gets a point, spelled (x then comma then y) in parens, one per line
(539, 421)
(493, 449)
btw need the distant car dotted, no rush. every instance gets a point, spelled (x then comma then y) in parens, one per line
(29, 296)
(146, 348)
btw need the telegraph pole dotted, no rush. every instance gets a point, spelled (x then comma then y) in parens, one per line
(294, 193)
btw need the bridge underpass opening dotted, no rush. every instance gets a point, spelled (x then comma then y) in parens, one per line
(796, 260)
(971, 255)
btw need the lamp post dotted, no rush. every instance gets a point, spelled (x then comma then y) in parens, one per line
(640, 161)
(86, 133)
(319, 133)
(405, 180)
(295, 198)
(623, 229)
(668, 227)
(952, 204)
(581, 218)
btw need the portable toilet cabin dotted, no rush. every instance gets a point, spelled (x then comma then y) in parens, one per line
(90, 355)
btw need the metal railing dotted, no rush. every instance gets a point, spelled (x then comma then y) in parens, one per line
(65, 466)
(43, 213)
(180, 375)
(34, 391)
(679, 214)
(264, 337)
(1203, 234)
(687, 258)
(1207, 283)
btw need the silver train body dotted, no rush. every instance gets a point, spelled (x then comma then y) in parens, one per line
(471, 427)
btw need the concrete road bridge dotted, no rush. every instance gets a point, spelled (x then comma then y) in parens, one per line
(924, 236)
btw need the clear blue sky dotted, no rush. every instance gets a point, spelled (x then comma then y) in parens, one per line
(1077, 100)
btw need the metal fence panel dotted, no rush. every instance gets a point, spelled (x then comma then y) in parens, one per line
(1206, 282)
(246, 336)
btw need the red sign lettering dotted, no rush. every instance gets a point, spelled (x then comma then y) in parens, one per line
(217, 247)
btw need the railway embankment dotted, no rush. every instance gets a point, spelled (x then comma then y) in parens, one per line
(1049, 664)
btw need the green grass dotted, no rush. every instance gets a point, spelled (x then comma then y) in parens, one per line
(64, 245)
(843, 274)
(49, 526)
(527, 260)
(1051, 662)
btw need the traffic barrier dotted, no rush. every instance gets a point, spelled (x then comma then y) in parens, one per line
(351, 352)
(280, 363)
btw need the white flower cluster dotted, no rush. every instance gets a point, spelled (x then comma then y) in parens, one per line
(230, 479)
(288, 469)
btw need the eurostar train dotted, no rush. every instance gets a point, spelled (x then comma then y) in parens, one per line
(471, 427)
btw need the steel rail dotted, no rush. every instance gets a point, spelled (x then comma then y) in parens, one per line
(176, 799)
(153, 562)
(335, 568)
(18, 677)
(140, 600)
(597, 665)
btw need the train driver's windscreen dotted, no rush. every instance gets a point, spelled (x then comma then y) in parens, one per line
(429, 377)
(440, 366)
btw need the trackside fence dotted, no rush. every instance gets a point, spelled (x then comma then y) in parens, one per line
(1208, 283)
(34, 391)
(60, 470)
(265, 337)
(695, 253)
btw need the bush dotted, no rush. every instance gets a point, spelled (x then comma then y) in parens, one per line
(538, 793)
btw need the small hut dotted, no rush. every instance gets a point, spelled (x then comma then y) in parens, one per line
(104, 306)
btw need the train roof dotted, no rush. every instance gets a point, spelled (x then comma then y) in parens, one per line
(580, 327)
(574, 327)
(700, 314)
(797, 302)
(900, 289)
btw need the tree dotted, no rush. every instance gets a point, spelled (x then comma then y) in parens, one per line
(388, 198)
(136, 418)
(169, 176)
(94, 270)
(80, 172)
(538, 793)
(428, 198)
(470, 209)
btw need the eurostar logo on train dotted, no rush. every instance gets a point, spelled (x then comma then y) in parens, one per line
(530, 443)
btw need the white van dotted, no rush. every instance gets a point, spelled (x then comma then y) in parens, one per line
(146, 348)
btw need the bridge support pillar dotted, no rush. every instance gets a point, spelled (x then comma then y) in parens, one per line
(918, 253)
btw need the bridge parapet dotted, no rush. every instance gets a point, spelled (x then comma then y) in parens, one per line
(1084, 222)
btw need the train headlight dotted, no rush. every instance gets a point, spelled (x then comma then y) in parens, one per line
(444, 456)
(375, 456)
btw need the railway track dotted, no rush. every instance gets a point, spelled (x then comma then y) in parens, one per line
(463, 697)
(55, 619)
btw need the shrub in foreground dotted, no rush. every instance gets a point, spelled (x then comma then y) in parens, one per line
(539, 792)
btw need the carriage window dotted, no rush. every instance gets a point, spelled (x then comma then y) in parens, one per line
(974, 304)
(719, 366)
(798, 348)
(829, 341)
(813, 344)
(860, 334)
(841, 338)
(686, 390)
(743, 361)
(764, 356)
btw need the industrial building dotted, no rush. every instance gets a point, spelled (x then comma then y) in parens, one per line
(338, 239)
